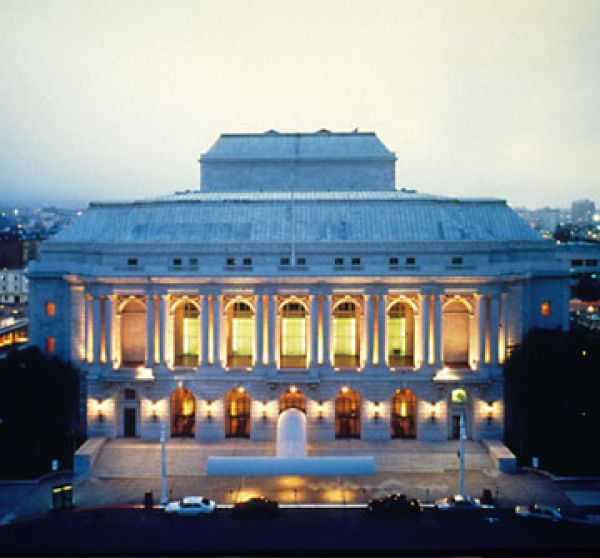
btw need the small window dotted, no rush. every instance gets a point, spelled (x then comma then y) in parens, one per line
(338, 261)
(413, 261)
(247, 261)
(50, 308)
(591, 263)
(545, 308)
(355, 261)
(230, 261)
(129, 395)
(132, 261)
(457, 261)
(300, 261)
(177, 261)
(284, 261)
(50, 344)
(193, 261)
(576, 263)
(393, 261)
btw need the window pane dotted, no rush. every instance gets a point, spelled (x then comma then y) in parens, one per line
(397, 337)
(345, 336)
(243, 336)
(190, 336)
(294, 337)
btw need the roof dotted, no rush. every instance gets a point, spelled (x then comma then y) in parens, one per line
(323, 144)
(310, 216)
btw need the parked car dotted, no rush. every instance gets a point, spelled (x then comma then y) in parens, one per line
(256, 507)
(459, 504)
(395, 504)
(539, 511)
(191, 505)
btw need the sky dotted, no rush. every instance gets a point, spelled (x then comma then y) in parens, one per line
(117, 99)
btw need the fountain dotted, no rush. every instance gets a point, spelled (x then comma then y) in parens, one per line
(290, 457)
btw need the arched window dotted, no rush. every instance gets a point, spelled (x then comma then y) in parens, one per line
(455, 333)
(183, 414)
(293, 398)
(186, 334)
(133, 333)
(293, 335)
(400, 335)
(237, 414)
(403, 414)
(346, 335)
(240, 335)
(347, 414)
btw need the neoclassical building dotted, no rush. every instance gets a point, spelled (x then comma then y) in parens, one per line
(298, 275)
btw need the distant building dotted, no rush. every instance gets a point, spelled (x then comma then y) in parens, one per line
(582, 212)
(13, 286)
(17, 252)
(297, 276)
(544, 220)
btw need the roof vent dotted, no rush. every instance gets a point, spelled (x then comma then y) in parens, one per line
(271, 133)
(324, 131)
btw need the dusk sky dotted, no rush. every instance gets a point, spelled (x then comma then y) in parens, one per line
(117, 99)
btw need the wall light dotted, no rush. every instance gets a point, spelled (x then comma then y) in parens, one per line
(320, 411)
(154, 410)
(490, 411)
(241, 389)
(376, 411)
(100, 410)
(264, 411)
(209, 415)
(433, 410)
(344, 389)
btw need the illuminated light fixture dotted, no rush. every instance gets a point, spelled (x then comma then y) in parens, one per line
(241, 389)
(583, 353)
(345, 389)
(293, 389)
(143, 373)
(100, 409)
(433, 407)
(377, 411)
(209, 415)
(154, 409)
(320, 411)
(264, 411)
(490, 411)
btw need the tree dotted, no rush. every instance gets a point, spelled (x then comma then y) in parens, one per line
(552, 395)
(39, 407)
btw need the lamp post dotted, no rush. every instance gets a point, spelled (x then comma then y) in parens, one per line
(163, 471)
(461, 455)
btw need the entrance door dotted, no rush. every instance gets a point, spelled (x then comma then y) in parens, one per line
(455, 427)
(129, 426)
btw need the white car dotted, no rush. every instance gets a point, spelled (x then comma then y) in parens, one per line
(191, 505)
(539, 511)
(459, 504)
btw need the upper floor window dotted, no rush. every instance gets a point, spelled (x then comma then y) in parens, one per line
(186, 333)
(346, 335)
(355, 261)
(338, 261)
(455, 334)
(239, 334)
(400, 335)
(293, 335)
(50, 344)
(177, 261)
(457, 261)
(591, 263)
(193, 261)
(546, 308)
(247, 261)
(230, 261)
(576, 263)
(300, 261)
(50, 308)
(412, 261)
(284, 261)
(394, 261)
(132, 261)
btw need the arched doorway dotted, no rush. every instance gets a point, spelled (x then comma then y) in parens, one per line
(347, 414)
(293, 335)
(186, 333)
(403, 414)
(183, 414)
(133, 333)
(239, 321)
(455, 333)
(293, 398)
(346, 335)
(237, 414)
(400, 335)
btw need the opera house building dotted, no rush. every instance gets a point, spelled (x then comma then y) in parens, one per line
(297, 275)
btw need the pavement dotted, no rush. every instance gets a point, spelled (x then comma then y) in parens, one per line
(126, 469)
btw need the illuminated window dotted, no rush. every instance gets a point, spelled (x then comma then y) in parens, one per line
(293, 398)
(293, 335)
(133, 333)
(400, 335)
(183, 413)
(455, 334)
(50, 308)
(347, 414)
(459, 396)
(237, 414)
(50, 344)
(545, 308)
(240, 341)
(403, 414)
(346, 335)
(187, 334)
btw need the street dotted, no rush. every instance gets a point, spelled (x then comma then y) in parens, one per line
(295, 531)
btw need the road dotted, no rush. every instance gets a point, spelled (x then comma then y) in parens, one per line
(344, 531)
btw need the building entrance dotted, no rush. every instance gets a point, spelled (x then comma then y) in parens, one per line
(129, 422)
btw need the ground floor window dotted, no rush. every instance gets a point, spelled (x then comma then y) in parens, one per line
(293, 398)
(403, 414)
(237, 414)
(183, 413)
(347, 414)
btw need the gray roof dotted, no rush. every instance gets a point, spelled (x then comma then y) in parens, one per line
(319, 217)
(274, 145)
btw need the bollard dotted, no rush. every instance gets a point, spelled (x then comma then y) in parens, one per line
(57, 498)
(148, 500)
(67, 496)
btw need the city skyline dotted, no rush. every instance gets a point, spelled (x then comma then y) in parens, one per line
(476, 99)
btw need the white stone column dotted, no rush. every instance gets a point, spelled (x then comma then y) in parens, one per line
(438, 330)
(314, 331)
(96, 327)
(327, 360)
(150, 318)
(381, 330)
(162, 328)
(217, 328)
(272, 312)
(259, 321)
(494, 327)
(88, 329)
(109, 305)
(203, 330)
(481, 321)
(368, 331)
(425, 314)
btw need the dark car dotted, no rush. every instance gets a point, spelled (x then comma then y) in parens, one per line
(256, 507)
(395, 504)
